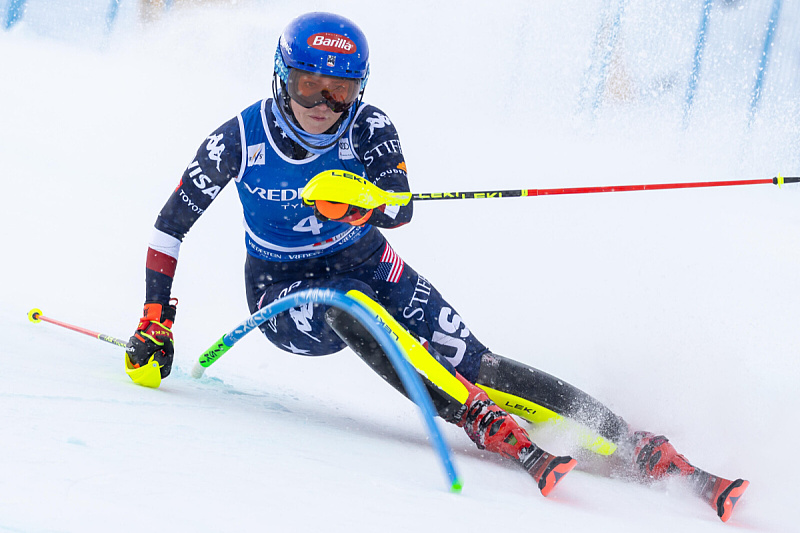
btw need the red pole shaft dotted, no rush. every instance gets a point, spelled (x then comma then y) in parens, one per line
(654, 186)
(35, 315)
(69, 326)
(516, 193)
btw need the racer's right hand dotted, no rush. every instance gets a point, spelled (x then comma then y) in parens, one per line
(351, 214)
(149, 354)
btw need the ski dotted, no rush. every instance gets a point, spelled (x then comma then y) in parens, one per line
(547, 469)
(720, 493)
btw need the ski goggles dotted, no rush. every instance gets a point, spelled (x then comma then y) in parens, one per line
(310, 90)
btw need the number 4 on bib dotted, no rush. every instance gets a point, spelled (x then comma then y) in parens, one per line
(309, 224)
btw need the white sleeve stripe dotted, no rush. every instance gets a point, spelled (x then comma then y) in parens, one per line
(243, 144)
(166, 244)
(350, 131)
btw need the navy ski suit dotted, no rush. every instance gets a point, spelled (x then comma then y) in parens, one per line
(289, 249)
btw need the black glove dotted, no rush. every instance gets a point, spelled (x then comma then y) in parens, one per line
(152, 345)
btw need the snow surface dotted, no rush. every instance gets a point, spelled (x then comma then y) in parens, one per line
(679, 309)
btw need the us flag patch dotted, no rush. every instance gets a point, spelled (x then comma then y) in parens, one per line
(390, 267)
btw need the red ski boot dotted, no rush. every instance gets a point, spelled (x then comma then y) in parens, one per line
(495, 430)
(655, 458)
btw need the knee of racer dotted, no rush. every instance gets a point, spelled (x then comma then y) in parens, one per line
(347, 285)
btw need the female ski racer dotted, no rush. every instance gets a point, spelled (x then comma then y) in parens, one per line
(316, 122)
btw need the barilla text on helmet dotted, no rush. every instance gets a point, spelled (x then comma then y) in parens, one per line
(332, 42)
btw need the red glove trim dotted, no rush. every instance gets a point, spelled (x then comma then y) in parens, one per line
(354, 221)
(152, 311)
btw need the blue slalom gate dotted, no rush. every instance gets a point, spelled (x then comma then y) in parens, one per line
(408, 375)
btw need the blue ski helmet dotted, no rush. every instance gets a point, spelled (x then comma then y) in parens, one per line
(324, 43)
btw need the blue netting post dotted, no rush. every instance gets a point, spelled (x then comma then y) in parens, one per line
(111, 14)
(409, 377)
(772, 25)
(699, 47)
(16, 8)
(605, 44)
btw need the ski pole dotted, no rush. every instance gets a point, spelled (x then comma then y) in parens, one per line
(35, 316)
(778, 180)
(346, 187)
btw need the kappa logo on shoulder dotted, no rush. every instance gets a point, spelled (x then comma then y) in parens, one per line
(215, 149)
(255, 154)
(378, 122)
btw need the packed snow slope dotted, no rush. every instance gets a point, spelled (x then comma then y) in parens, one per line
(679, 309)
